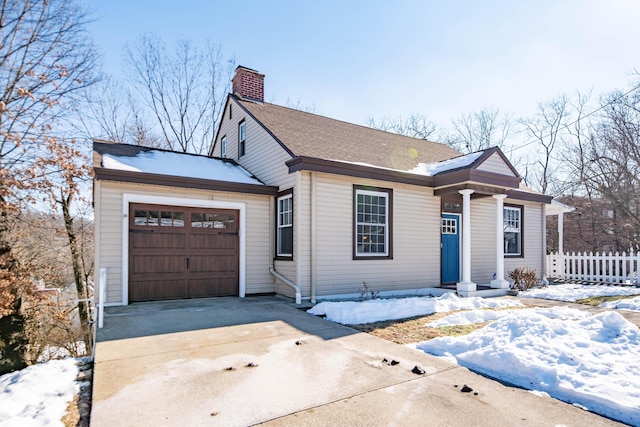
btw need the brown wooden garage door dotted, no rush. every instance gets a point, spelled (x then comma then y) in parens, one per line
(179, 252)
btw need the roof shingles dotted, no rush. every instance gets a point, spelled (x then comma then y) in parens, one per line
(311, 135)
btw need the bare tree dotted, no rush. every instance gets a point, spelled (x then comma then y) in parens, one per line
(416, 125)
(612, 160)
(46, 60)
(109, 111)
(184, 91)
(546, 129)
(478, 131)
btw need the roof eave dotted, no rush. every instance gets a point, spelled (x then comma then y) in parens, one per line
(314, 164)
(483, 177)
(529, 197)
(105, 174)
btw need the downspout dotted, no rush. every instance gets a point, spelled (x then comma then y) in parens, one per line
(298, 226)
(287, 282)
(313, 237)
(545, 264)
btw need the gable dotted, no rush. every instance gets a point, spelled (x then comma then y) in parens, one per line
(495, 163)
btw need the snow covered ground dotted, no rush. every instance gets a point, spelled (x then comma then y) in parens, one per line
(632, 304)
(38, 395)
(587, 360)
(572, 293)
(353, 313)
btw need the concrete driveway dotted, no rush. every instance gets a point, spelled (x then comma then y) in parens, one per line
(261, 360)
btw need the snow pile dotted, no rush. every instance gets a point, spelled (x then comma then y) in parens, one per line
(590, 361)
(38, 395)
(354, 313)
(632, 304)
(481, 316)
(178, 164)
(431, 169)
(572, 293)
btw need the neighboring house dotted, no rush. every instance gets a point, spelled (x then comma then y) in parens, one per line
(594, 225)
(309, 207)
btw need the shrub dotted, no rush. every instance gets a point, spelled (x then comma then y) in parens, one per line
(367, 293)
(524, 278)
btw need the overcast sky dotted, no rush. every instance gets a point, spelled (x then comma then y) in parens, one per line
(356, 59)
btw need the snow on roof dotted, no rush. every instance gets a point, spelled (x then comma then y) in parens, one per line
(432, 169)
(428, 169)
(178, 164)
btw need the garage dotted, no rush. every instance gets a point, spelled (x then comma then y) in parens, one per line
(178, 252)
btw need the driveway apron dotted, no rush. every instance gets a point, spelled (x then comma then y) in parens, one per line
(261, 360)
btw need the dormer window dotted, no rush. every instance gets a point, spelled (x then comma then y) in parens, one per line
(223, 146)
(242, 136)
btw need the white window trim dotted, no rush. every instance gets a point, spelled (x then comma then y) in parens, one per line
(280, 226)
(519, 210)
(176, 201)
(386, 224)
(242, 138)
(223, 147)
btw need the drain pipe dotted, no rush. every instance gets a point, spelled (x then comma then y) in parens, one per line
(287, 282)
(313, 238)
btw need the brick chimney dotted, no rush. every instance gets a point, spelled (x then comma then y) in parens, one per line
(248, 84)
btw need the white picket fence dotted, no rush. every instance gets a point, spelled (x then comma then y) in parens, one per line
(608, 268)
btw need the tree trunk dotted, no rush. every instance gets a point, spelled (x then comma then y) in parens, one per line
(81, 288)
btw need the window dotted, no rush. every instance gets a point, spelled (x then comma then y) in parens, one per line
(230, 111)
(155, 218)
(223, 146)
(242, 136)
(284, 237)
(372, 223)
(449, 226)
(513, 231)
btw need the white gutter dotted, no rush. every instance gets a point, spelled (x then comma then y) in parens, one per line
(287, 282)
(313, 237)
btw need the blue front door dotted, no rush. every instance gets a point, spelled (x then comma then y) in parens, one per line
(450, 232)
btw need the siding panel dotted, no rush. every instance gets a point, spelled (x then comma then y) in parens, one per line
(416, 229)
(495, 164)
(264, 157)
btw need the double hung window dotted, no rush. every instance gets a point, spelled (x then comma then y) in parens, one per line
(372, 222)
(284, 237)
(513, 231)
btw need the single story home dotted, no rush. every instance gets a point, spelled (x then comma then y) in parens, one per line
(308, 207)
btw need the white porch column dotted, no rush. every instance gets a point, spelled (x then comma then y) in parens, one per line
(466, 286)
(560, 233)
(499, 282)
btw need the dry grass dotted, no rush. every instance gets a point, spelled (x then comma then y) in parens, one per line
(413, 329)
(596, 301)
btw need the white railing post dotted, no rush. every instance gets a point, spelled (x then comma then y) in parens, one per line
(103, 294)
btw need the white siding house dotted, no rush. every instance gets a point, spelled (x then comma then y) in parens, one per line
(328, 206)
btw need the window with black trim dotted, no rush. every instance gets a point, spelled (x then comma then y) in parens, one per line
(242, 136)
(513, 231)
(284, 234)
(372, 209)
(223, 146)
